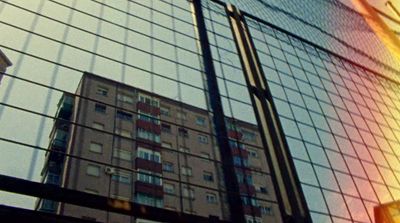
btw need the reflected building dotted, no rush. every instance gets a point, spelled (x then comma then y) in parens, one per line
(260, 111)
(4, 63)
(137, 146)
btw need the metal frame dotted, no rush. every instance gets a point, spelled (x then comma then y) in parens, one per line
(56, 193)
(286, 183)
(231, 182)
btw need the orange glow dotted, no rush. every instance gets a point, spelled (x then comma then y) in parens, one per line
(381, 29)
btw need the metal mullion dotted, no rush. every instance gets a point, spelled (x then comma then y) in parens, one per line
(231, 182)
(291, 199)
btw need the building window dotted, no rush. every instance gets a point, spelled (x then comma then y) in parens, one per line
(125, 98)
(148, 154)
(96, 147)
(149, 100)
(100, 108)
(91, 191)
(166, 145)
(148, 118)
(262, 189)
(206, 156)
(48, 205)
(123, 177)
(200, 121)
(168, 167)
(93, 170)
(149, 177)
(148, 200)
(244, 178)
(144, 134)
(252, 153)
(182, 132)
(124, 133)
(122, 154)
(102, 91)
(124, 116)
(169, 188)
(248, 136)
(251, 219)
(97, 125)
(186, 171)
(181, 115)
(266, 210)
(211, 198)
(234, 144)
(165, 128)
(164, 111)
(202, 139)
(184, 149)
(52, 178)
(250, 201)
(237, 161)
(188, 192)
(208, 176)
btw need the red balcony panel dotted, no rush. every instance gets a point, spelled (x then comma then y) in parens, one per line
(235, 134)
(240, 152)
(151, 189)
(146, 145)
(247, 189)
(149, 109)
(149, 144)
(148, 165)
(149, 126)
(250, 210)
(243, 170)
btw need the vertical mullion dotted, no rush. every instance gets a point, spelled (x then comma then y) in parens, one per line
(231, 182)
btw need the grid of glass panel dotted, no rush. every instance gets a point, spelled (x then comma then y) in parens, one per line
(330, 24)
(341, 123)
(151, 46)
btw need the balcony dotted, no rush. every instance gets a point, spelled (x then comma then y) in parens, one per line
(252, 210)
(65, 106)
(149, 109)
(148, 165)
(235, 135)
(150, 189)
(247, 189)
(53, 167)
(240, 152)
(59, 144)
(149, 126)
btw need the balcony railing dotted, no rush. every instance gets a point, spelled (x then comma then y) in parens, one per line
(65, 106)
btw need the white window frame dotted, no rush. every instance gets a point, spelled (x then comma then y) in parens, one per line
(122, 154)
(186, 171)
(96, 147)
(125, 98)
(93, 170)
(98, 125)
(211, 201)
(169, 188)
(141, 152)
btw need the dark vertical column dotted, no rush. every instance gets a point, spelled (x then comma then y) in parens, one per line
(291, 200)
(231, 183)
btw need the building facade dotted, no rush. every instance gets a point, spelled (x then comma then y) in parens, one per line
(265, 112)
(136, 146)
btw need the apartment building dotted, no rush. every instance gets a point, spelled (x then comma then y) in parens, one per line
(136, 146)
